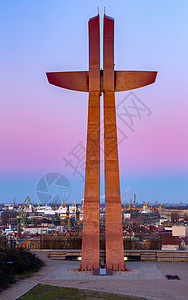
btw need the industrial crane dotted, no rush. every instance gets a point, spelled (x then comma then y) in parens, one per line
(27, 202)
(159, 209)
(146, 208)
(154, 208)
(62, 204)
(68, 217)
(129, 207)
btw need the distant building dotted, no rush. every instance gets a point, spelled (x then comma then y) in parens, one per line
(171, 242)
(127, 215)
(42, 229)
(180, 230)
(167, 213)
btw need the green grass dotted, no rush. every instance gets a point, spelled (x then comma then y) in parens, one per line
(48, 292)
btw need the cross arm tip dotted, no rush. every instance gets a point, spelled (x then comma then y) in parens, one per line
(77, 81)
(128, 80)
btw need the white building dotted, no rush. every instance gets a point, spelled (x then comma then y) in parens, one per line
(180, 230)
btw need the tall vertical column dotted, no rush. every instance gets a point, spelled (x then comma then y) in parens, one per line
(113, 218)
(91, 221)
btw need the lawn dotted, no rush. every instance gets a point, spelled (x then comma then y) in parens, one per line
(44, 292)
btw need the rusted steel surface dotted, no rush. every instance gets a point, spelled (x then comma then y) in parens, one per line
(128, 80)
(91, 221)
(113, 218)
(77, 81)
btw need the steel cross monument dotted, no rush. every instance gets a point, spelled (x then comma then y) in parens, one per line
(106, 81)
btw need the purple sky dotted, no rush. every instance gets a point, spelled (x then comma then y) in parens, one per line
(41, 124)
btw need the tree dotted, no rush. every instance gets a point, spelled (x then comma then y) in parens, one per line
(174, 217)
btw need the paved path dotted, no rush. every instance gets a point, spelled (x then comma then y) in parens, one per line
(145, 279)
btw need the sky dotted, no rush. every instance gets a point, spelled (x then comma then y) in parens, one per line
(43, 127)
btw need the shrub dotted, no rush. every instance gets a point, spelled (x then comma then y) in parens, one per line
(16, 262)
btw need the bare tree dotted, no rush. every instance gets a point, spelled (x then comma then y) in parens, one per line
(174, 217)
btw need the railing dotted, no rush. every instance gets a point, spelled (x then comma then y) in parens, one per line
(30, 244)
(75, 243)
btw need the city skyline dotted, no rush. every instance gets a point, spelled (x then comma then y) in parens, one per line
(42, 125)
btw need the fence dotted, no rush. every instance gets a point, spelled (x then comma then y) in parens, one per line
(75, 243)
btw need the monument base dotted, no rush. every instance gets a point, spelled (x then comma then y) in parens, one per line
(117, 267)
(89, 266)
(98, 271)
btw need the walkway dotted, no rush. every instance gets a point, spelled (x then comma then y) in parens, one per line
(145, 279)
